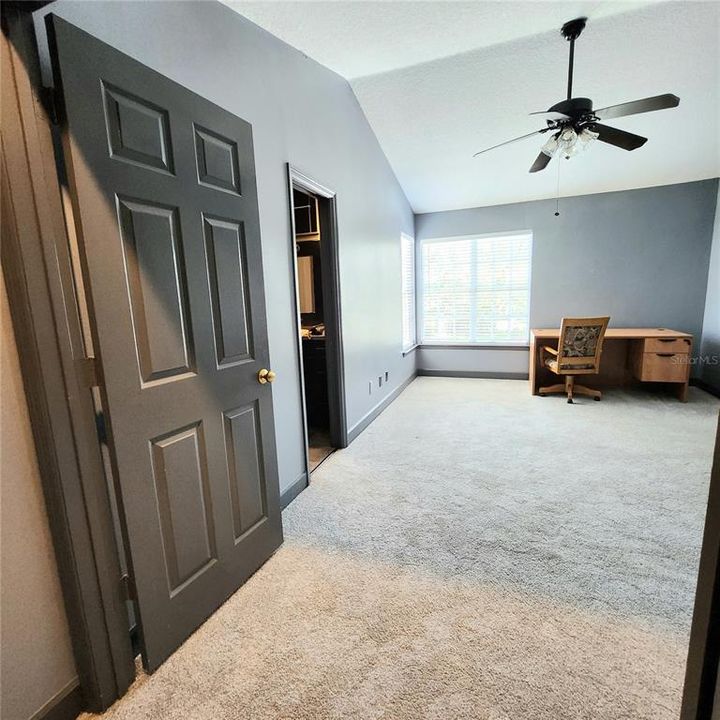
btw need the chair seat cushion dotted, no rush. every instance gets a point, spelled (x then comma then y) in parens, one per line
(553, 365)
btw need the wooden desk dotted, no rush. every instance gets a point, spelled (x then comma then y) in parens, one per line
(629, 354)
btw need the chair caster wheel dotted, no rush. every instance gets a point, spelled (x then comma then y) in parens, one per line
(597, 399)
(570, 402)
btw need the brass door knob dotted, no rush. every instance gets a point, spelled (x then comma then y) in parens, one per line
(265, 376)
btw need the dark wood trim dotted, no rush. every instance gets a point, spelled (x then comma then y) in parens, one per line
(38, 272)
(368, 418)
(288, 495)
(65, 705)
(330, 253)
(473, 374)
(701, 673)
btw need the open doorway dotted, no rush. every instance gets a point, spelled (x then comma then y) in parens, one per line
(308, 261)
(318, 318)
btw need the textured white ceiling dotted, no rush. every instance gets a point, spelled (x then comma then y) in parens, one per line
(365, 37)
(457, 77)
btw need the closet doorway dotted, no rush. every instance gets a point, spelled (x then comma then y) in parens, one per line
(318, 316)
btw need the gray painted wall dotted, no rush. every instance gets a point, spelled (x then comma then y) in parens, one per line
(35, 653)
(709, 369)
(304, 114)
(640, 256)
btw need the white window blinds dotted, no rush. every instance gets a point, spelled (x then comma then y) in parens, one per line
(476, 290)
(407, 255)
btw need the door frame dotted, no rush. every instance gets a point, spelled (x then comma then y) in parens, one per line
(702, 690)
(57, 376)
(330, 263)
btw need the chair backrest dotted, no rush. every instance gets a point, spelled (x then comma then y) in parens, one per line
(581, 341)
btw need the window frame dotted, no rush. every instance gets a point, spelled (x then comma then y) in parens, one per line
(420, 293)
(406, 348)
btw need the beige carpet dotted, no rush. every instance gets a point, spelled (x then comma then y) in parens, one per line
(476, 553)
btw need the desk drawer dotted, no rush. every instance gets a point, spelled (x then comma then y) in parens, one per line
(679, 346)
(663, 367)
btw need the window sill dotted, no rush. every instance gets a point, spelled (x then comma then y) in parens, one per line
(411, 349)
(472, 346)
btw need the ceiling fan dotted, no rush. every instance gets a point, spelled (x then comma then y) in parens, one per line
(575, 125)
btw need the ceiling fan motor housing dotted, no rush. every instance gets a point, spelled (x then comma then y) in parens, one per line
(574, 107)
(572, 29)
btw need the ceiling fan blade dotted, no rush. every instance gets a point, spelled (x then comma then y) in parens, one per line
(552, 115)
(508, 142)
(541, 162)
(619, 138)
(649, 104)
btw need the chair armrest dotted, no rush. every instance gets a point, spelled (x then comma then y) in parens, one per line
(549, 349)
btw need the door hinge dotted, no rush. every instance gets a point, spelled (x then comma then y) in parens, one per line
(128, 587)
(87, 372)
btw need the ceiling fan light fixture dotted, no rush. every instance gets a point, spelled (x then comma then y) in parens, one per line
(586, 138)
(551, 145)
(573, 143)
(568, 142)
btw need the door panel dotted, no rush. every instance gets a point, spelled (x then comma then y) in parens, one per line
(227, 271)
(137, 130)
(157, 289)
(217, 161)
(165, 203)
(180, 473)
(245, 468)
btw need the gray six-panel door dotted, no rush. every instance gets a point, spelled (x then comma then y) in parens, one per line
(165, 203)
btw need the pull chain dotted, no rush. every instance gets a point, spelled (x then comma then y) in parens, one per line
(557, 189)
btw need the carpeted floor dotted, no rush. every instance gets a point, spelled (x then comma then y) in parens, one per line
(477, 553)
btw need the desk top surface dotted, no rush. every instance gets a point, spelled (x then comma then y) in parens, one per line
(619, 333)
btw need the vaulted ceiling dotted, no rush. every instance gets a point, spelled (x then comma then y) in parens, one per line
(440, 80)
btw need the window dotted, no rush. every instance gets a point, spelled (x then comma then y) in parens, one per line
(476, 290)
(407, 270)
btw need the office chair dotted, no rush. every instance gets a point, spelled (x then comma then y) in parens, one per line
(578, 353)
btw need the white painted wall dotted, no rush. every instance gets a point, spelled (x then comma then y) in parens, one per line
(304, 114)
